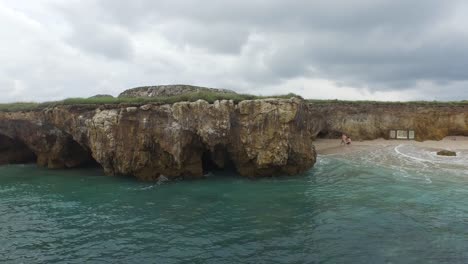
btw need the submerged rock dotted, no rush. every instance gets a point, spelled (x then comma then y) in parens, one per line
(447, 153)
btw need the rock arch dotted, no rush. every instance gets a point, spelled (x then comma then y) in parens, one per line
(51, 147)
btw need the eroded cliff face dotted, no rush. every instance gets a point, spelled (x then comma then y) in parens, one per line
(371, 121)
(183, 140)
(257, 138)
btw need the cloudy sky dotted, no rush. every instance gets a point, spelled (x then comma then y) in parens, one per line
(353, 49)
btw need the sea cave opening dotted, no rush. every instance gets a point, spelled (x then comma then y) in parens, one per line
(14, 151)
(217, 162)
(73, 155)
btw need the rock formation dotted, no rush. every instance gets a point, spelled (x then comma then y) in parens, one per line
(257, 138)
(169, 90)
(374, 120)
(184, 140)
(447, 153)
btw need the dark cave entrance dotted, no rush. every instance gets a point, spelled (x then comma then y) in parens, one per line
(77, 156)
(91, 163)
(217, 161)
(14, 151)
(329, 134)
(208, 164)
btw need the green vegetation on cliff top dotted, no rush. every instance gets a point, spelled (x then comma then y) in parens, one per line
(422, 103)
(189, 97)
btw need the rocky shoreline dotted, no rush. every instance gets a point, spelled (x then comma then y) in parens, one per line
(256, 138)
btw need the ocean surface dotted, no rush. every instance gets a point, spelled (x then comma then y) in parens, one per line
(389, 205)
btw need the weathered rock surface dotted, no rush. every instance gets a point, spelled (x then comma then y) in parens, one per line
(53, 147)
(258, 138)
(169, 90)
(370, 121)
(183, 140)
(447, 153)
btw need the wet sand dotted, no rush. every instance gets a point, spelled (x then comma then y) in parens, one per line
(332, 146)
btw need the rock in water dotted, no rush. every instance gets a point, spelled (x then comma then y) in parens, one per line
(447, 153)
(169, 90)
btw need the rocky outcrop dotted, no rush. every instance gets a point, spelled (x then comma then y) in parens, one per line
(448, 153)
(374, 120)
(256, 138)
(53, 147)
(170, 90)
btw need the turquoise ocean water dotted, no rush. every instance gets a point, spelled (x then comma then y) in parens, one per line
(389, 205)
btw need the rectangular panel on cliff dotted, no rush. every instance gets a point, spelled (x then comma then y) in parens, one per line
(402, 134)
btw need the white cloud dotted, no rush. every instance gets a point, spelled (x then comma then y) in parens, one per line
(383, 50)
(326, 89)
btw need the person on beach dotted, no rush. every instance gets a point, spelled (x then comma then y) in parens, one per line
(344, 139)
(348, 141)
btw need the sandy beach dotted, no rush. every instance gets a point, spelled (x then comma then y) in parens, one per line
(332, 146)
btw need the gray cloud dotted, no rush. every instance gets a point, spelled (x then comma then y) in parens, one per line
(91, 34)
(417, 47)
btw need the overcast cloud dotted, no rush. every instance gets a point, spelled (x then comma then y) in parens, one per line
(354, 49)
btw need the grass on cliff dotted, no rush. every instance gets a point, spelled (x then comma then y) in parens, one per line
(360, 102)
(190, 97)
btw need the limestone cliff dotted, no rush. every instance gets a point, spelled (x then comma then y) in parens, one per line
(257, 138)
(374, 120)
(186, 139)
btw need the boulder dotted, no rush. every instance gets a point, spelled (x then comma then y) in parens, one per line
(447, 153)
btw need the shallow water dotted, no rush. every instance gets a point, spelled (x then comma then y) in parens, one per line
(390, 205)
